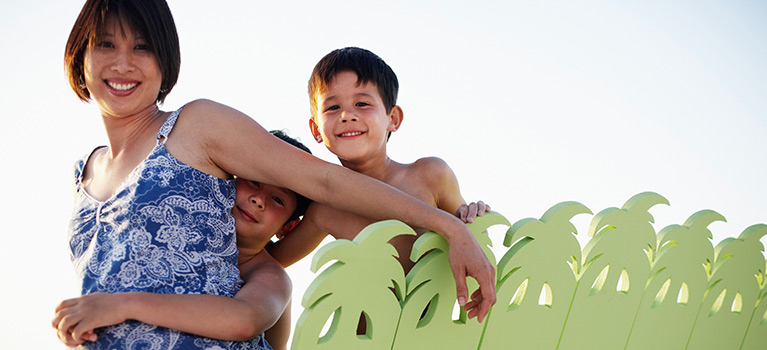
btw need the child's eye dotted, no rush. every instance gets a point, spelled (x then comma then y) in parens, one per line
(256, 183)
(362, 104)
(142, 47)
(332, 108)
(278, 200)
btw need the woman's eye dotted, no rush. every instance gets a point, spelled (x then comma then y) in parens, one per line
(104, 45)
(142, 47)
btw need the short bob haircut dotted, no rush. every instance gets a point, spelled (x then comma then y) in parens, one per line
(149, 18)
(369, 69)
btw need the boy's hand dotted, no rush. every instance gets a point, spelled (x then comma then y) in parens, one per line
(76, 318)
(467, 259)
(467, 212)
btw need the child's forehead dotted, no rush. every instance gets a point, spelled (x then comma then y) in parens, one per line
(342, 79)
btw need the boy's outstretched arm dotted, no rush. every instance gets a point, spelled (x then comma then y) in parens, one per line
(255, 308)
(300, 241)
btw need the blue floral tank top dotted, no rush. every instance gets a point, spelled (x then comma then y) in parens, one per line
(167, 229)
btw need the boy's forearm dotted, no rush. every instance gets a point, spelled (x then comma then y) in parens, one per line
(209, 316)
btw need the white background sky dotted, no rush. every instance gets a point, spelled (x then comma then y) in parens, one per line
(531, 103)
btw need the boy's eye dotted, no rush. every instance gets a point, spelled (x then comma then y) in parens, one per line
(279, 200)
(362, 104)
(332, 108)
(256, 183)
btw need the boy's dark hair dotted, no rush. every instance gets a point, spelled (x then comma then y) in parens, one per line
(369, 69)
(151, 19)
(301, 202)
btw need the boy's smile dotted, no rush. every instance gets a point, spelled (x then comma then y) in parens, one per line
(261, 210)
(352, 120)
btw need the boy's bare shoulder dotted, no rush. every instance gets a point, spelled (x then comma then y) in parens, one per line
(428, 166)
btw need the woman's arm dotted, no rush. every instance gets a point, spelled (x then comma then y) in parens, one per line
(234, 144)
(255, 308)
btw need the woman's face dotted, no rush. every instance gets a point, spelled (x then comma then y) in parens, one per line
(121, 72)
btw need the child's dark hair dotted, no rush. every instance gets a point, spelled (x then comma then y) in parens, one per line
(301, 202)
(151, 19)
(369, 69)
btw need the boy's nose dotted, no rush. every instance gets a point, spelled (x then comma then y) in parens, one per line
(345, 117)
(257, 201)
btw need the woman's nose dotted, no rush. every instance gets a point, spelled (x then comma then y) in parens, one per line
(123, 62)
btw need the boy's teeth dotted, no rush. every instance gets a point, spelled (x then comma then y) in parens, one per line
(122, 86)
(352, 133)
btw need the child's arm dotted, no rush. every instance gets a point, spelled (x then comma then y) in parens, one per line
(300, 241)
(255, 308)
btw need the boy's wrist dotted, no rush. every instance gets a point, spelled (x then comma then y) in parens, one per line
(127, 304)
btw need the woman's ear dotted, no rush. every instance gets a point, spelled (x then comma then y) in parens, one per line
(315, 129)
(289, 226)
(395, 118)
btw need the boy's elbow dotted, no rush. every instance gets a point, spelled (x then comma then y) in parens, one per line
(246, 329)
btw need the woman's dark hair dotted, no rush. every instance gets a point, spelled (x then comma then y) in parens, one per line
(151, 19)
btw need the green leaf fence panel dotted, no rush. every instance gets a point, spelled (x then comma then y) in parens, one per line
(535, 281)
(356, 285)
(616, 268)
(629, 288)
(733, 289)
(427, 311)
(677, 282)
(756, 336)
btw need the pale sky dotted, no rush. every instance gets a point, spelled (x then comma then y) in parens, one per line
(531, 103)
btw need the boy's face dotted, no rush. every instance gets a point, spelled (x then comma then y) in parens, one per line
(351, 118)
(261, 211)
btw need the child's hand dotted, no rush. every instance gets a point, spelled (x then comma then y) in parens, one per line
(76, 318)
(467, 212)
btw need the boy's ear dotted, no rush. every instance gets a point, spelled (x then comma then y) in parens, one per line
(289, 226)
(395, 118)
(315, 129)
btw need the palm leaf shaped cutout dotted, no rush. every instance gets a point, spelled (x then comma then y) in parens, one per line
(426, 321)
(756, 335)
(535, 281)
(616, 268)
(357, 283)
(676, 285)
(732, 291)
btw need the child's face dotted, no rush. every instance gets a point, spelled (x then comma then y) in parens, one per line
(351, 119)
(261, 210)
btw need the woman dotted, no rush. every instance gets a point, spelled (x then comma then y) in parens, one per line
(153, 207)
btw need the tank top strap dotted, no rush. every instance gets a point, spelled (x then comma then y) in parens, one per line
(166, 128)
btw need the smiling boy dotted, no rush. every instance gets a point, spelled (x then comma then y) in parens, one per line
(353, 95)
